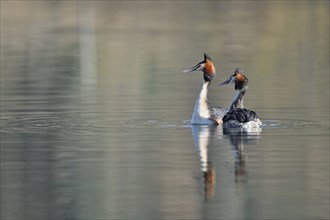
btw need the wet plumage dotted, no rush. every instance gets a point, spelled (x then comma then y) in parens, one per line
(239, 117)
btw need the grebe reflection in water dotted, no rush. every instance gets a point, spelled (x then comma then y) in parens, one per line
(237, 140)
(201, 135)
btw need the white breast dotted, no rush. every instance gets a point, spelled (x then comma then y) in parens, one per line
(202, 114)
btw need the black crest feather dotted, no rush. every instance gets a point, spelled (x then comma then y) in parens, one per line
(207, 57)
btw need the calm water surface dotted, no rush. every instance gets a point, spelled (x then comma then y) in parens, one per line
(95, 110)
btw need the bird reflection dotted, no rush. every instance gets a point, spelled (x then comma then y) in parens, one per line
(201, 135)
(238, 139)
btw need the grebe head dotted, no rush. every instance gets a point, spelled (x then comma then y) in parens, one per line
(240, 80)
(206, 66)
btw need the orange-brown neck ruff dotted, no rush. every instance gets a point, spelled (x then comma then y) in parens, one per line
(209, 67)
(240, 77)
(209, 70)
(241, 81)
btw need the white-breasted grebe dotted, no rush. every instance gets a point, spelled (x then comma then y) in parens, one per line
(203, 112)
(238, 116)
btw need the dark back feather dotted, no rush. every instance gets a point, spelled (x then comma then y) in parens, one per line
(241, 115)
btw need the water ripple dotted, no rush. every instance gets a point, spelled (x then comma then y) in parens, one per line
(292, 124)
(91, 123)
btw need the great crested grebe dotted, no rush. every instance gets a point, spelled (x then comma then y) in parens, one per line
(238, 116)
(203, 112)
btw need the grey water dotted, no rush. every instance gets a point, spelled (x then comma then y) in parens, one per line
(95, 110)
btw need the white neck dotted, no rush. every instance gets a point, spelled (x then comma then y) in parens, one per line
(237, 101)
(202, 112)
